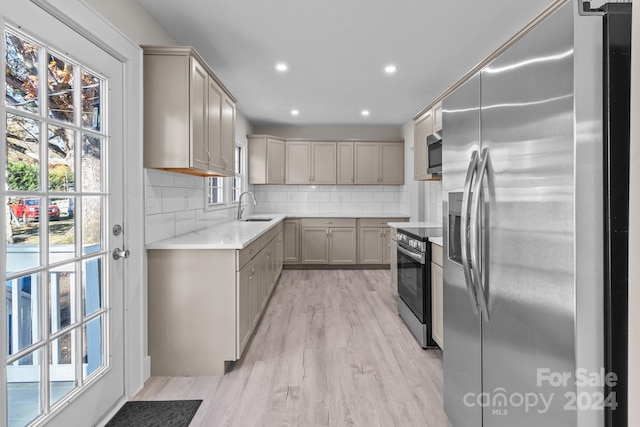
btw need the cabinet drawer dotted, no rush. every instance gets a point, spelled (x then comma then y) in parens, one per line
(378, 222)
(436, 254)
(245, 255)
(270, 234)
(328, 222)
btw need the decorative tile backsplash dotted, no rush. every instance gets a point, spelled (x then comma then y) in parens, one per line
(330, 198)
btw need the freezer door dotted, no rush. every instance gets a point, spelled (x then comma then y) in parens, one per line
(527, 116)
(462, 328)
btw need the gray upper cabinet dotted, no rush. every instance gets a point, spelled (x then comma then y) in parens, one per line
(429, 122)
(345, 163)
(266, 160)
(189, 116)
(437, 117)
(300, 161)
(422, 128)
(323, 162)
(310, 162)
(380, 163)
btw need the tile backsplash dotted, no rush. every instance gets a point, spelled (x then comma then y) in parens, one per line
(174, 204)
(330, 198)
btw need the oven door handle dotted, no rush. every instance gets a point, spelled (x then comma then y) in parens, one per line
(417, 257)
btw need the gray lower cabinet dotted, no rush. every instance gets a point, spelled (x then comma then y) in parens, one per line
(374, 240)
(328, 240)
(204, 304)
(291, 241)
(315, 245)
(393, 257)
(342, 245)
(247, 302)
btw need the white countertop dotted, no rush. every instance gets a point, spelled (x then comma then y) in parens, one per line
(226, 235)
(415, 224)
(239, 234)
(346, 215)
(436, 240)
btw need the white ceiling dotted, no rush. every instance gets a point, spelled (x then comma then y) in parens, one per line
(337, 50)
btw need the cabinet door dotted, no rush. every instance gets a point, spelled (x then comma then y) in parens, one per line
(298, 160)
(366, 162)
(246, 281)
(275, 161)
(422, 128)
(437, 319)
(323, 162)
(254, 292)
(199, 105)
(315, 246)
(264, 279)
(228, 134)
(278, 258)
(214, 127)
(437, 117)
(345, 163)
(386, 245)
(342, 246)
(369, 246)
(392, 163)
(291, 241)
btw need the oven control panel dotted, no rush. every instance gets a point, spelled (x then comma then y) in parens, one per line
(416, 245)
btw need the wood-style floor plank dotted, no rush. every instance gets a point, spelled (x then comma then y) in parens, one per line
(330, 350)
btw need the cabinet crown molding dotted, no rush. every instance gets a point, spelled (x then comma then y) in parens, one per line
(186, 51)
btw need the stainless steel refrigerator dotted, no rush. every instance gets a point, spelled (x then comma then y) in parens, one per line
(534, 215)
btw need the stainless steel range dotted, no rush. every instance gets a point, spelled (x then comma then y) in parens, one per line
(414, 280)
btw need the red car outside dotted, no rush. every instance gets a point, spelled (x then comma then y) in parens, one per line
(29, 210)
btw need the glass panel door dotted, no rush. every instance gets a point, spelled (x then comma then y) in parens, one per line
(62, 289)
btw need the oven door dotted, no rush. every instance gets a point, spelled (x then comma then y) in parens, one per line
(412, 280)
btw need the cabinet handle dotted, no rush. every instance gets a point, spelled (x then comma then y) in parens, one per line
(327, 231)
(208, 156)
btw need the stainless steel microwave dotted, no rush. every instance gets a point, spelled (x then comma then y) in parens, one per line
(434, 150)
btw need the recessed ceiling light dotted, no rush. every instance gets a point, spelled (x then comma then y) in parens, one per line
(390, 69)
(365, 112)
(281, 66)
(295, 112)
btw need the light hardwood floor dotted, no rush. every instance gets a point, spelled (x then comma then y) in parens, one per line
(331, 350)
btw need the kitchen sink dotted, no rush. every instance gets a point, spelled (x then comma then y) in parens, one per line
(257, 219)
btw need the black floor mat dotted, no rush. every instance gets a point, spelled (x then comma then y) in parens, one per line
(158, 413)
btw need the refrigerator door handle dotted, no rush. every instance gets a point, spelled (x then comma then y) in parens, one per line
(464, 226)
(475, 236)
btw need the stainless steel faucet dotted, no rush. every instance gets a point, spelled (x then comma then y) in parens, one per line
(240, 208)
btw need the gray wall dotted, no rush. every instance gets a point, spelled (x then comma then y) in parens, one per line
(375, 133)
(132, 20)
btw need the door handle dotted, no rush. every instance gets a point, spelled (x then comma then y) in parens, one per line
(475, 236)
(417, 257)
(120, 253)
(464, 226)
